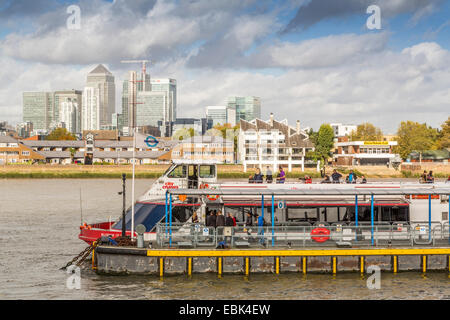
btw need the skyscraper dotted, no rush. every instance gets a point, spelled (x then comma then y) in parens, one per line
(103, 80)
(169, 87)
(38, 108)
(131, 87)
(247, 108)
(221, 115)
(91, 109)
(68, 109)
(69, 114)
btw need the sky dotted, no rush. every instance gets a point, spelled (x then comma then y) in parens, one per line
(310, 60)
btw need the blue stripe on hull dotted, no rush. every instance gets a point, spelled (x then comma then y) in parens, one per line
(144, 213)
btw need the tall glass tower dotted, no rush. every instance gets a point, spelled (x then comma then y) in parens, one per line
(247, 108)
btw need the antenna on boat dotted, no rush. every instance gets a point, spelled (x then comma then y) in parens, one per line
(81, 210)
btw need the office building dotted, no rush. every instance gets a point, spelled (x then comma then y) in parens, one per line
(91, 109)
(38, 108)
(24, 129)
(246, 108)
(342, 130)
(169, 87)
(103, 80)
(221, 115)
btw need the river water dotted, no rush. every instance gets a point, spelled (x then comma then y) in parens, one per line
(39, 222)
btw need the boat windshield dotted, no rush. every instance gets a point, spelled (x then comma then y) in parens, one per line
(169, 169)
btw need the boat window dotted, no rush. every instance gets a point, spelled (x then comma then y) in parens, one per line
(178, 172)
(207, 171)
(302, 214)
(399, 214)
(181, 213)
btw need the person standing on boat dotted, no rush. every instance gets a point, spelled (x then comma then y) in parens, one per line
(220, 223)
(281, 176)
(260, 228)
(249, 220)
(211, 220)
(269, 178)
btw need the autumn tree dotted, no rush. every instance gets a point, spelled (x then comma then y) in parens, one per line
(366, 132)
(183, 133)
(414, 136)
(60, 134)
(444, 140)
(323, 144)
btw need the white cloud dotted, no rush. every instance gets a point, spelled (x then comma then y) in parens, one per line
(216, 53)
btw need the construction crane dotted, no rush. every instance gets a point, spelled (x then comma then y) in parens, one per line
(144, 63)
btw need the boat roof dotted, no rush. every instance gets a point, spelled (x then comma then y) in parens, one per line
(186, 161)
(340, 191)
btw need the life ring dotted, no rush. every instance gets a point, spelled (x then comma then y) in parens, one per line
(213, 197)
(210, 196)
(320, 234)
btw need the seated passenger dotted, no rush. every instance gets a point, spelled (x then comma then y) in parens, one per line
(336, 176)
(430, 178)
(269, 177)
(326, 179)
(281, 176)
(364, 180)
(258, 178)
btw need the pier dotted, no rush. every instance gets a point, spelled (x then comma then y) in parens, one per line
(345, 246)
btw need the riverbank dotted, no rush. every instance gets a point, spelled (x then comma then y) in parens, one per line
(224, 171)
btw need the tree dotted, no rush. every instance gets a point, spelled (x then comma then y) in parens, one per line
(444, 140)
(183, 133)
(366, 132)
(323, 144)
(414, 136)
(60, 134)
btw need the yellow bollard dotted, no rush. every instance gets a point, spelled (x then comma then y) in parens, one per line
(247, 266)
(334, 265)
(219, 266)
(161, 267)
(424, 264)
(277, 265)
(361, 264)
(395, 263)
(189, 266)
(304, 265)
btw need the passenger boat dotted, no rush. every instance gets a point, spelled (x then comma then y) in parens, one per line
(150, 208)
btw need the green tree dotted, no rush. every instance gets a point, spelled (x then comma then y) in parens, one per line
(444, 140)
(183, 133)
(60, 134)
(366, 132)
(414, 136)
(323, 144)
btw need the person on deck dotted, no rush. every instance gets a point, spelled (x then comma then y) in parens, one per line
(269, 177)
(281, 176)
(335, 176)
(211, 220)
(258, 178)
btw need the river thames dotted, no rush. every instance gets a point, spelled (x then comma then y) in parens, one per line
(39, 225)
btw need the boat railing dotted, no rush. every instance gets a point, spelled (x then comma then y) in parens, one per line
(386, 235)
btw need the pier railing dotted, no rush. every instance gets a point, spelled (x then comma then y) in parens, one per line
(290, 236)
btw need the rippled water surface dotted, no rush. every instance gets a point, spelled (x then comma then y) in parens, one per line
(39, 222)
